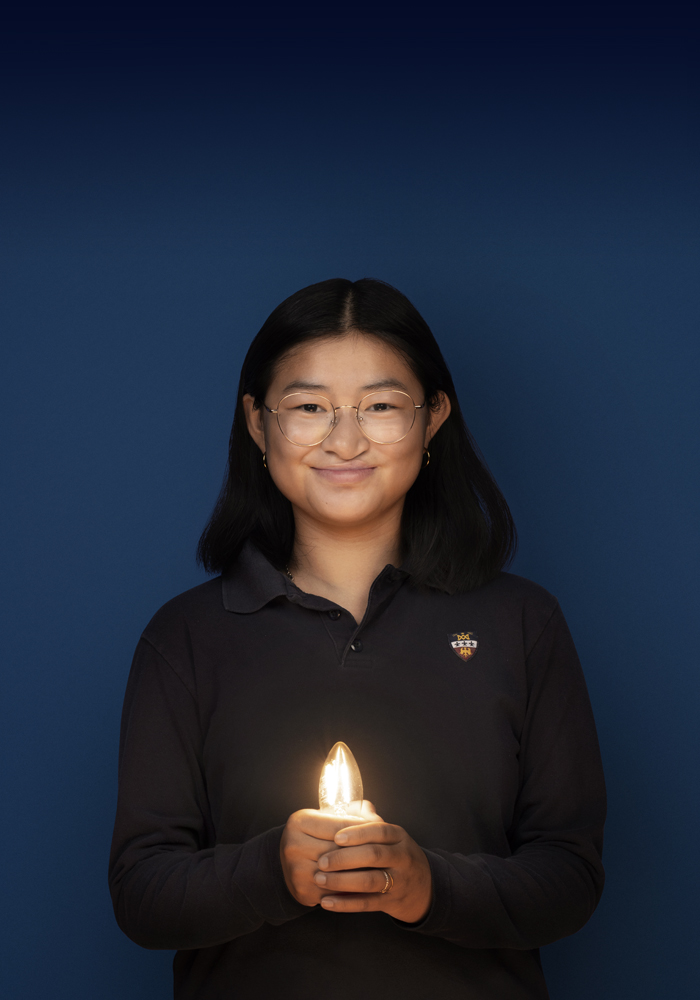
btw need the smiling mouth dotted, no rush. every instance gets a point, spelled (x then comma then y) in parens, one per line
(344, 473)
(342, 468)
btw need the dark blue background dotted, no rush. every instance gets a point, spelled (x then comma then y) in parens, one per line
(535, 193)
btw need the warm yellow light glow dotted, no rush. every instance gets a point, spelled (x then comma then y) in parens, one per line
(340, 788)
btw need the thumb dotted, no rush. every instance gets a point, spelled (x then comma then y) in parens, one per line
(369, 812)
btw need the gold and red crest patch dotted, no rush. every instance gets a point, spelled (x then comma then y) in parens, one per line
(464, 644)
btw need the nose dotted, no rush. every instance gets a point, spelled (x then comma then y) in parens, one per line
(346, 438)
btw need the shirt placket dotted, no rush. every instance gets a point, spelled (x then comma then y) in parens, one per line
(348, 636)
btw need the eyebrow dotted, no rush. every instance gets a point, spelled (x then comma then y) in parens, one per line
(385, 383)
(298, 386)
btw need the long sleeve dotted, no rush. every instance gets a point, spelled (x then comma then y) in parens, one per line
(170, 887)
(550, 884)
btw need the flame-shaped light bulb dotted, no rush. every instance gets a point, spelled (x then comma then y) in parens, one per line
(340, 787)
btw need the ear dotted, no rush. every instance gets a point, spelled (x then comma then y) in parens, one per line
(437, 417)
(254, 421)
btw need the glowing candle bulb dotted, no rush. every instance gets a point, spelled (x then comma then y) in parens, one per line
(340, 787)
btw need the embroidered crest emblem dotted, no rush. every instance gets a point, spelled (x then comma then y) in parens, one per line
(464, 644)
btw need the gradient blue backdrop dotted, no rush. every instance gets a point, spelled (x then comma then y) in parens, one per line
(536, 195)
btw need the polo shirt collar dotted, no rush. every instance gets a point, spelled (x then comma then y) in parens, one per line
(252, 582)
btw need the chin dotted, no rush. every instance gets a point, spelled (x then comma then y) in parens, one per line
(346, 518)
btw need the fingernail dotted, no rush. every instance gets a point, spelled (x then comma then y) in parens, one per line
(340, 838)
(320, 878)
(327, 903)
(323, 862)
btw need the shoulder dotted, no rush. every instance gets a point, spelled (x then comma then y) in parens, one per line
(521, 591)
(517, 603)
(506, 594)
(174, 622)
(507, 597)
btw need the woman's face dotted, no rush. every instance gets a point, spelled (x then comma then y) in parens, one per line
(346, 480)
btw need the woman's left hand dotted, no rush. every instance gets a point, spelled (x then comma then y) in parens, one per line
(375, 848)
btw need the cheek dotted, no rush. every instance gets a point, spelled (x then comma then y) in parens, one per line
(401, 470)
(406, 469)
(286, 471)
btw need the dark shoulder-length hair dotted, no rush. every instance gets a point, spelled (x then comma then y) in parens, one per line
(457, 532)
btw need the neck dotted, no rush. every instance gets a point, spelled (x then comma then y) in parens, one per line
(342, 563)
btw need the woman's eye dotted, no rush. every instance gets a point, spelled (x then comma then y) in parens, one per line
(380, 407)
(310, 408)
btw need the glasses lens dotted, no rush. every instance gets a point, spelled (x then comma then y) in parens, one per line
(388, 416)
(304, 418)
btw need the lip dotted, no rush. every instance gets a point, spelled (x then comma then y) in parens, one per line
(344, 473)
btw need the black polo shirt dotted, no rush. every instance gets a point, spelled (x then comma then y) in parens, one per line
(487, 755)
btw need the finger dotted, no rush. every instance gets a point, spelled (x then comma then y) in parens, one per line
(366, 833)
(364, 856)
(365, 880)
(355, 903)
(310, 848)
(323, 826)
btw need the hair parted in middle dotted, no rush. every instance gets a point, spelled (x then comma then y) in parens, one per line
(457, 532)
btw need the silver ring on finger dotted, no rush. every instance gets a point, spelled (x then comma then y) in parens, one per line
(389, 883)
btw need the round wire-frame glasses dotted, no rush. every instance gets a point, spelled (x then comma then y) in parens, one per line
(346, 406)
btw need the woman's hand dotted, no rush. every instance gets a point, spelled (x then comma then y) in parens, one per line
(365, 851)
(308, 835)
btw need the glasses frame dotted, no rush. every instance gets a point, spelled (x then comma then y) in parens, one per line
(345, 406)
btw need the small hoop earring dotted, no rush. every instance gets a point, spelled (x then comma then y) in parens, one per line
(427, 454)
(264, 462)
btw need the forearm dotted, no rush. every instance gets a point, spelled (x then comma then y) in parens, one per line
(173, 898)
(540, 894)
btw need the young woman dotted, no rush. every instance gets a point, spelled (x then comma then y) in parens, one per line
(360, 541)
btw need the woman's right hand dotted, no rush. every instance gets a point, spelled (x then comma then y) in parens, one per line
(304, 839)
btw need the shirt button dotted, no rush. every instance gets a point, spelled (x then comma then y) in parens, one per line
(356, 646)
(334, 615)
